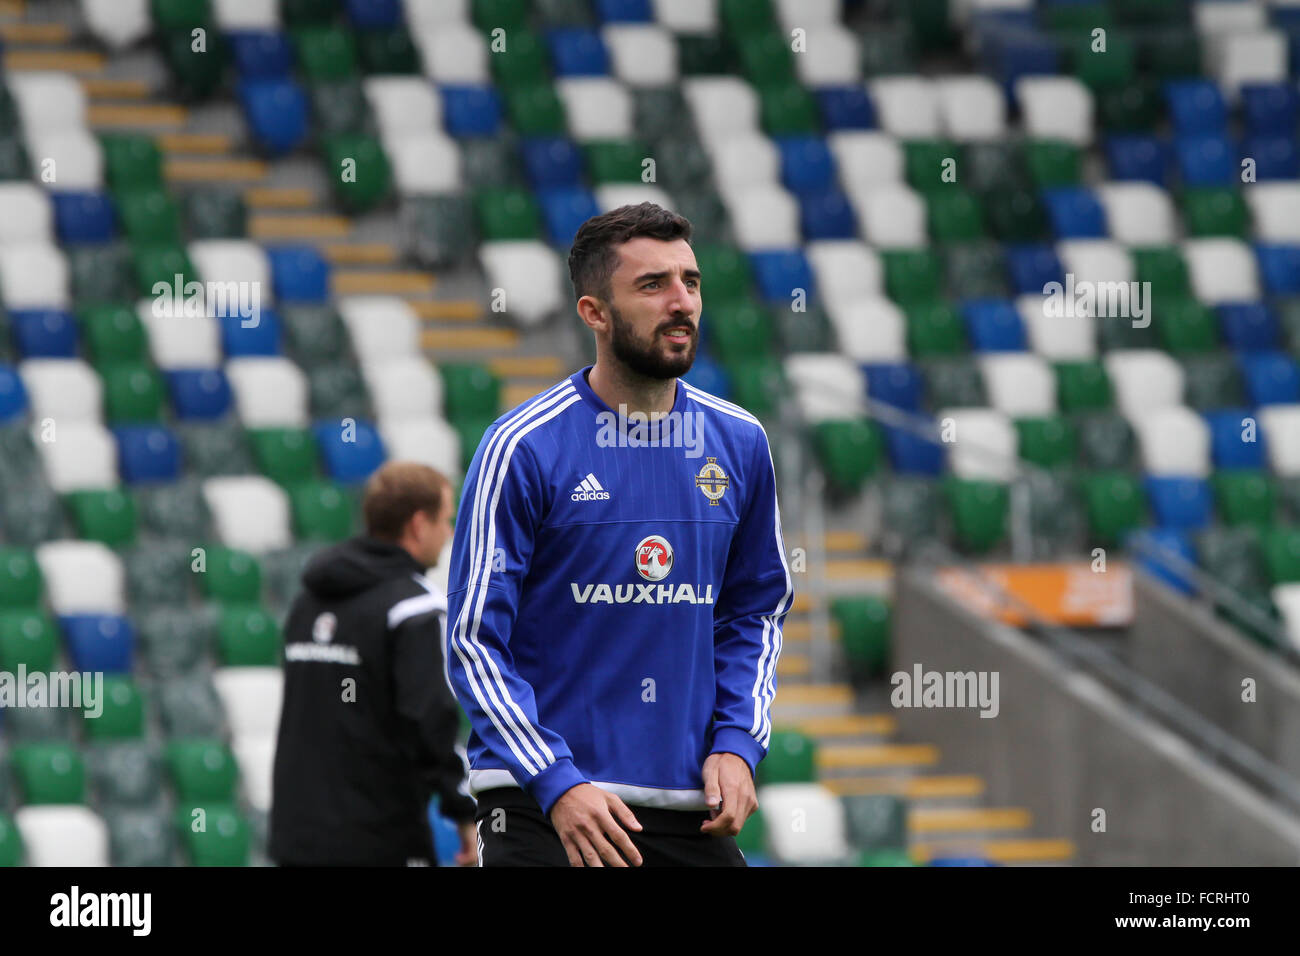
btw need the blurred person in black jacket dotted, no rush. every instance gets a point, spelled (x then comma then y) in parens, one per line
(369, 723)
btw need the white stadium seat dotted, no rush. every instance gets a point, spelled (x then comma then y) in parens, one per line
(870, 329)
(233, 260)
(404, 387)
(1218, 16)
(1287, 599)
(380, 326)
(269, 392)
(687, 16)
(746, 159)
(1221, 270)
(1095, 260)
(424, 163)
(1144, 380)
(826, 385)
(82, 456)
(249, 512)
(808, 13)
(1173, 441)
(82, 577)
(763, 217)
(906, 106)
(597, 107)
(454, 54)
(845, 269)
(961, 10)
(246, 14)
(1056, 107)
(1259, 56)
(251, 698)
(1057, 338)
(1138, 213)
(721, 105)
(33, 275)
(529, 275)
(1280, 426)
(1275, 207)
(403, 104)
(430, 442)
(866, 159)
(641, 54)
(26, 213)
(62, 835)
(71, 159)
(256, 758)
(892, 217)
(180, 341)
(830, 57)
(984, 445)
(614, 195)
(1019, 384)
(117, 23)
(66, 390)
(971, 108)
(805, 823)
(421, 14)
(47, 100)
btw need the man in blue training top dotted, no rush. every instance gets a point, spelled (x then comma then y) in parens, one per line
(617, 585)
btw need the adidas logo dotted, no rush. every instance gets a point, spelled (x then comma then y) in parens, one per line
(589, 490)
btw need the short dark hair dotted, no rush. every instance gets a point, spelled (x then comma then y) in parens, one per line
(396, 492)
(592, 259)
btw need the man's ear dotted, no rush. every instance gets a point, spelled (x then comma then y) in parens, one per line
(592, 312)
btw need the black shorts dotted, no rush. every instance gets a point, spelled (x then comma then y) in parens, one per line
(513, 832)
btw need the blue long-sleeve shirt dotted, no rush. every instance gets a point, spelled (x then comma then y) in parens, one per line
(615, 597)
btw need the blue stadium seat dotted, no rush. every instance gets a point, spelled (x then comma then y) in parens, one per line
(349, 461)
(1271, 107)
(263, 338)
(577, 51)
(374, 14)
(1271, 378)
(706, 374)
(993, 325)
(99, 642)
(446, 838)
(845, 107)
(471, 110)
(1152, 547)
(298, 274)
(910, 454)
(147, 453)
(276, 111)
(44, 333)
(894, 383)
(202, 393)
(960, 861)
(1279, 268)
(779, 273)
(1207, 159)
(551, 161)
(1075, 212)
(1032, 267)
(84, 217)
(13, 396)
(1275, 155)
(1227, 450)
(564, 209)
(1011, 54)
(1248, 326)
(1180, 501)
(806, 164)
(827, 214)
(1138, 156)
(261, 54)
(624, 11)
(1196, 106)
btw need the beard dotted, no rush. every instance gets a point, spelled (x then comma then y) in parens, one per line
(648, 359)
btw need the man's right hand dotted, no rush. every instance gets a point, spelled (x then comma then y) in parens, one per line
(587, 820)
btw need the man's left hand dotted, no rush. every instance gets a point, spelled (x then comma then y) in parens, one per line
(729, 792)
(468, 853)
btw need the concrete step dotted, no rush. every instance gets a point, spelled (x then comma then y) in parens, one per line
(382, 282)
(965, 819)
(917, 787)
(1032, 851)
(135, 115)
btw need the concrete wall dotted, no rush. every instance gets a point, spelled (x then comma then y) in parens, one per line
(1062, 745)
(1184, 649)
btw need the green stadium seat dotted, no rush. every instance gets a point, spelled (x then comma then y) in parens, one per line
(1286, 490)
(1105, 439)
(752, 839)
(757, 384)
(1114, 504)
(1185, 325)
(469, 390)
(39, 725)
(740, 17)
(215, 214)
(181, 14)
(1234, 557)
(210, 450)
(924, 162)
(337, 391)
(507, 214)
(657, 113)
(1282, 554)
(441, 230)
(885, 858)
(1244, 497)
(909, 509)
(489, 162)
(849, 452)
(161, 263)
(1015, 214)
(31, 514)
(325, 53)
(1131, 108)
(1053, 162)
(1105, 69)
(535, 110)
(934, 328)
(952, 383)
(106, 515)
(231, 576)
(1047, 442)
(1215, 211)
(21, 582)
(14, 163)
(887, 50)
(113, 333)
(930, 21)
(248, 637)
(764, 56)
(739, 330)
(149, 216)
(301, 13)
(340, 108)
(1212, 381)
(189, 706)
(615, 161)
(705, 54)
(564, 13)
(727, 273)
(1082, 386)
(285, 455)
(787, 109)
(979, 513)
(791, 758)
(11, 842)
(387, 51)
(372, 181)
(124, 773)
(876, 821)
(122, 717)
(975, 270)
(1056, 518)
(140, 837)
(808, 330)
(156, 573)
(954, 215)
(1118, 332)
(523, 64)
(132, 161)
(174, 509)
(313, 333)
(201, 769)
(133, 392)
(49, 773)
(196, 73)
(911, 275)
(470, 430)
(997, 164)
(1288, 313)
(282, 571)
(175, 640)
(321, 511)
(864, 627)
(223, 840)
(508, 14)
(27, 637)
(1171, 54)
(1165, 268)
(99, 274)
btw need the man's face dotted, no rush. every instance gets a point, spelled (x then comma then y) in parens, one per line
(432, 534)
(655, 307)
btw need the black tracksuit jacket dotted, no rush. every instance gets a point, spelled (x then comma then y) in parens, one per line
(368, 725)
